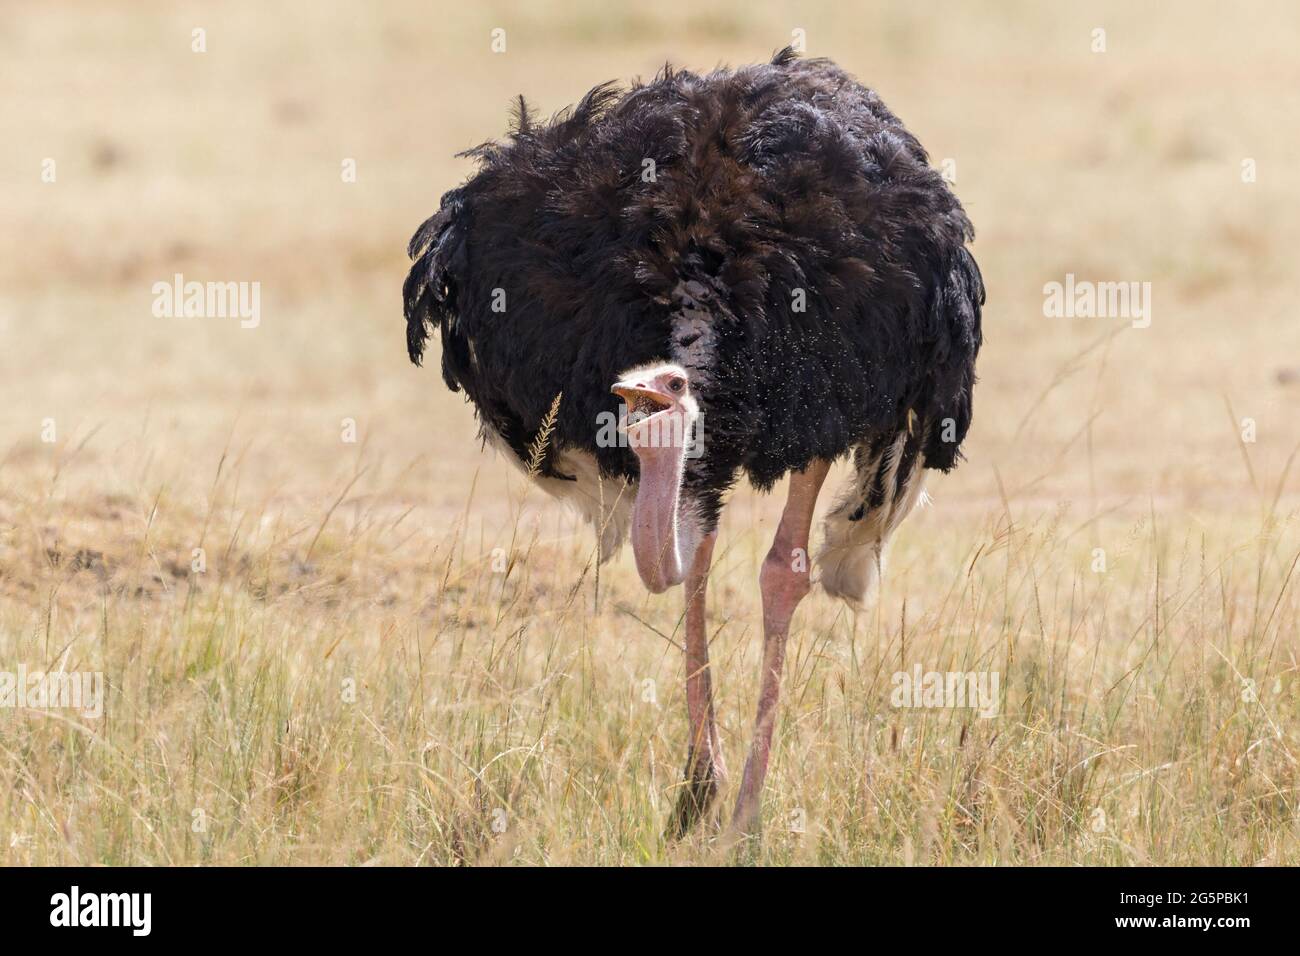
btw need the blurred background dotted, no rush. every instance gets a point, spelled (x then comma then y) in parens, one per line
(226, 165)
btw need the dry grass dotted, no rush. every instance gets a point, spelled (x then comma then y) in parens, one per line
(398, 653)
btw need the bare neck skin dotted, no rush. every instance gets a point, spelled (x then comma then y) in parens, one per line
(658, 419)
(663, 544)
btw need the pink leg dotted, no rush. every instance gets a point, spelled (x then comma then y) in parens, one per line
(705, 771)
(783, 582)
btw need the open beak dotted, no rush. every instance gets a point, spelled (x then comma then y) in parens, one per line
(643, 401)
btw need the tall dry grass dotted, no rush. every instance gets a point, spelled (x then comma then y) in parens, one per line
(382, 691)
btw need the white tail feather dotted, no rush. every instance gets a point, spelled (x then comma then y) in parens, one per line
(853, 553)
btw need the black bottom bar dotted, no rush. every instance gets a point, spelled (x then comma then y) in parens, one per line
(335, 906)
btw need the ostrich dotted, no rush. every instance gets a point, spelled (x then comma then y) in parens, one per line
(752, 273)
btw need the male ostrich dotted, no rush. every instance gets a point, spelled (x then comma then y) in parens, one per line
(752, 272)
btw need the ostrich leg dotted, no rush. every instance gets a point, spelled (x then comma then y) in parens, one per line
(783, 582)
(705, 771)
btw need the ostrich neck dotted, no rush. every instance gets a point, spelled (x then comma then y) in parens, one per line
(662, 551)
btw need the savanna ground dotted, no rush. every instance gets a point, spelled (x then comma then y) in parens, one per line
(397, 653)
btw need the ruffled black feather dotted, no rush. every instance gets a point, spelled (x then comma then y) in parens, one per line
(579, 242)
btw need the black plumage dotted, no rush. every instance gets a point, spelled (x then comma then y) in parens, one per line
(782, 208)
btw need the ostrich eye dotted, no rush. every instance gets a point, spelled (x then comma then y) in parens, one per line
(676, 384)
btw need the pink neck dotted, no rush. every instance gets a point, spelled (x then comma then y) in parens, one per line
(661, 559)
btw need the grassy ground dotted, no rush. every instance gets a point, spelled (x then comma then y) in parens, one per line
(397, 653)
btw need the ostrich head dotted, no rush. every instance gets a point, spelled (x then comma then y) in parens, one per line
(659, 419)
(660, 407)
